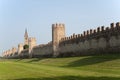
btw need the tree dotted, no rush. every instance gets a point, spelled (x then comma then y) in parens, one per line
(26, 46)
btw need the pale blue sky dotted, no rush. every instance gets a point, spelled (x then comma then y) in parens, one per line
(38, 16)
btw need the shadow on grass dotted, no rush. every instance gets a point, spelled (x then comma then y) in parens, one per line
(29, 60)
(71, 78)
(34, 60)
(18, 60)
(93, 60)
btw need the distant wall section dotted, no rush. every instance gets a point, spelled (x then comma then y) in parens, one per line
(43, 50)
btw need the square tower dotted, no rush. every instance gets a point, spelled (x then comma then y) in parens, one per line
(58, 32)
(32, 43)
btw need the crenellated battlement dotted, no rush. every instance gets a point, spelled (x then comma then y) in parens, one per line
(93, 33)
(32, 39)
(58, 25)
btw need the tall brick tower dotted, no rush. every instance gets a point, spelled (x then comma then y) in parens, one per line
(58, 32)
(26, 37)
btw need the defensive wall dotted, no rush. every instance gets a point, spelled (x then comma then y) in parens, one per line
(43, 50)
(94, 41)
(98, 41)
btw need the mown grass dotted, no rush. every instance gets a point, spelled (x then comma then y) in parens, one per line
(99, 67)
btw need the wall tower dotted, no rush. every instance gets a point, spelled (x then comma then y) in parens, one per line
(20, 48)
(14, 50)
(58, 32)
(32, 43)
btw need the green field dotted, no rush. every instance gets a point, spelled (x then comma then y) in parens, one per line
(99, 67)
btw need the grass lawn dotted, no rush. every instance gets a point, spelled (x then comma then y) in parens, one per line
(99, 67)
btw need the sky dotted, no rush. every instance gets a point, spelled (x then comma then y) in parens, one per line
(37, 16)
